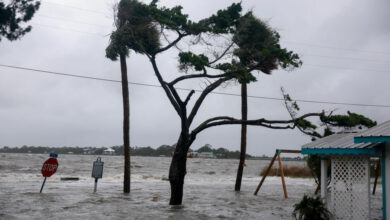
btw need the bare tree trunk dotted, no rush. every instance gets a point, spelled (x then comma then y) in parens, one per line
(178, 170)
(126, 124)
(244, 112)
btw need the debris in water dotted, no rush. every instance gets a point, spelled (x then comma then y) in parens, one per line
(70, 178)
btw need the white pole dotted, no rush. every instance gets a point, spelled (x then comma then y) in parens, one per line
(324, 177)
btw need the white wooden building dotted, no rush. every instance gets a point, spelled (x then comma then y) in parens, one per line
(380, 134)
(350, 173)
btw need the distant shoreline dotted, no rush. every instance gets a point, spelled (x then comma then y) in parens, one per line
(169, 156)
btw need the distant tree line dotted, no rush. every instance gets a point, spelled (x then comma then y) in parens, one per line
(163, 150)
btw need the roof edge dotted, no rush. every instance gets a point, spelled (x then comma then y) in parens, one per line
(340, 151)
(371, 139)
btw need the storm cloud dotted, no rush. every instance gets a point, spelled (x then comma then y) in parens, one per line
(344, 45)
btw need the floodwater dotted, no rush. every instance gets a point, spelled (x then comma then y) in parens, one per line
(208, 190)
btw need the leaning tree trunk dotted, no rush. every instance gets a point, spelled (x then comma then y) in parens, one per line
(177, 170)
(126, 124)
(244, 112)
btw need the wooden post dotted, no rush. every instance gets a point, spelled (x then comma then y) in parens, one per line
(290, 151)
(266, 173)
(376, 175)
(282, 175)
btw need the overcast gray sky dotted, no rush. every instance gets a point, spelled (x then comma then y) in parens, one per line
(345, 47)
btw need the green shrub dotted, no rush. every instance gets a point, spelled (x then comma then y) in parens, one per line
(310, 208)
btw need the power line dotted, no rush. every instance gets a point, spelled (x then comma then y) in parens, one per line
(196, 90)
(67, 29)
(336, 48)
(344, 68)
(347, 58)
(313, 65)
(77, 8)
(72, 21)
(291, 42)
(99, 25)
(58, 73)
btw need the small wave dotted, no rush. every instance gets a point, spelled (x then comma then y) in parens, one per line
(137, 166)
(92, 200)
(31, 193)
(69, 207)
(153, 177)
(69, 178)
(6, 216)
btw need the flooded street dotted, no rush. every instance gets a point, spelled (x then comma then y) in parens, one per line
(208, 190)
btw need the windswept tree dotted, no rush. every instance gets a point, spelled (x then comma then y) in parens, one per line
(13, 15)
(257, 45)
(252, 47)
(131, 21)
(330, 125)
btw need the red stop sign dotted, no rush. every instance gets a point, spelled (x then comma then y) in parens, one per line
(49, 167)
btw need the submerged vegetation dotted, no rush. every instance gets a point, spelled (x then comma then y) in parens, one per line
(311, 208)
(290, 171)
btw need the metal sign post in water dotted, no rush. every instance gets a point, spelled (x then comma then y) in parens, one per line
(97, 171)
(49, 167)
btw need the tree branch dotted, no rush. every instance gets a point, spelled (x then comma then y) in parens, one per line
(222, 55)
(166, 38)
(175, 94)
(203, 95)
(274, 124)
(189, 97)
(164, 85)
(173, 43)
(291, 111)
(192, 76)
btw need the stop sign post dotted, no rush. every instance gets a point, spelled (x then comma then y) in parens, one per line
(49, 167)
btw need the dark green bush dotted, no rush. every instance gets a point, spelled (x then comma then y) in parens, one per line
(311, 208)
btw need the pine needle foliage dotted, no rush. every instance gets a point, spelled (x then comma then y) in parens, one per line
(259, 48)
(348, 121)
(135, 30)
(13, 15)
(310, 208)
